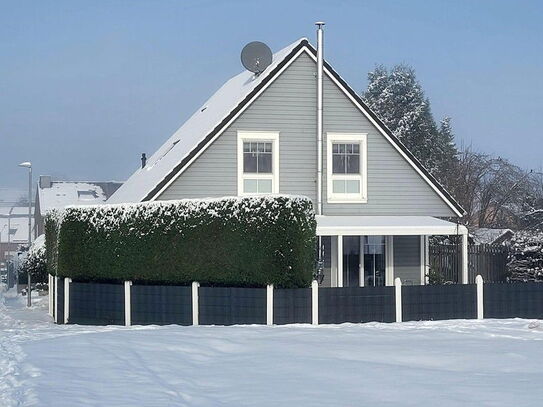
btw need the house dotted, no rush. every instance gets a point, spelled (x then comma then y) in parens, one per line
(266, 133)
(13, 231)
(58, 194)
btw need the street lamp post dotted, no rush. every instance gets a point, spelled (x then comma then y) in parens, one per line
(28, 165)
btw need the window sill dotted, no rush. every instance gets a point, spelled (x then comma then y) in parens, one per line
(331, 200)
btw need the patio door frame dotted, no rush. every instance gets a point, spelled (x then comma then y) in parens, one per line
(389, 261)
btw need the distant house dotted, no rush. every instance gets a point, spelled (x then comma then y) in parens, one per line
(58, 194)
(13, 230)
(376, 204)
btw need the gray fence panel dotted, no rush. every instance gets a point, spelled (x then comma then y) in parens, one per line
(515, 300)
(436, 302)
(356, 304)
(96, 304)
(292, 306)
(230, 305)
(60, 299)
(161, 305)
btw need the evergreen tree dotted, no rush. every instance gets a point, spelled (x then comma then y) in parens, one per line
(399, 100)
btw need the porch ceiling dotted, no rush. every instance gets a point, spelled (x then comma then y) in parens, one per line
(386, 225)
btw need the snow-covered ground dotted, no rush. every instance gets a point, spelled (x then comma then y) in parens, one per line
(447, 363)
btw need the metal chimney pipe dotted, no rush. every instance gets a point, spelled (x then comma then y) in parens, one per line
(320, 46)
(143, 160)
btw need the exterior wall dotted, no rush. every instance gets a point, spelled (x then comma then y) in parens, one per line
(289, 106)
(407, 261)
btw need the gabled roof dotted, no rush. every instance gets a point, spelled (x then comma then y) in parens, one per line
(62, 193)
(216, 114)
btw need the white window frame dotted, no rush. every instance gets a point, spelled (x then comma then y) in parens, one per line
(362, 196)
(248, 136)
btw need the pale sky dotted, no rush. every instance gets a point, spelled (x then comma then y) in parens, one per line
(87, 86)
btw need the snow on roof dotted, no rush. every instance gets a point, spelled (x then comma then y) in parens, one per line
(193, 131)
(62, 193)
(19, 229)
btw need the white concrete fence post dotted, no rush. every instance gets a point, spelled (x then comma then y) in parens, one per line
(50, 289)
(269, 304)
(195, 303)
(127, 303)
(398, 298)
(480, 291)
(55, 310)
(315, 302)
(67, 282)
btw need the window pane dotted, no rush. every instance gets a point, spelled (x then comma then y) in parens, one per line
(265, 186)
(246, 147)
(356, 148)
(250, 186)
(335, 148)
(349, 149)
(249, 162)
(338, 164)
(353, 164)
(268, 147)
(338, 186)
(342, 148)
(352, 186)
(265, 163)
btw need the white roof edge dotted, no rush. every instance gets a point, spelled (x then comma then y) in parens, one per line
(386, 225)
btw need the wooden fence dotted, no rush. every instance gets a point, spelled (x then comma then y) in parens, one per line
(487, 260)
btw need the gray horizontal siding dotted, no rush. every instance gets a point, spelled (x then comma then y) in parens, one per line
(407, 259)
(289, 107)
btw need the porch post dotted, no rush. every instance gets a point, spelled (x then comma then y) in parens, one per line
(340, 261)
(465, 256)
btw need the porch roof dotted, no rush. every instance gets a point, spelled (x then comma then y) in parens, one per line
(386, 225)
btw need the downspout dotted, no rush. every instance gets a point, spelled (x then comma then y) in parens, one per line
(319, 25)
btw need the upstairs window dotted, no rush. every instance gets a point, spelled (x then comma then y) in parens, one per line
(346, 158)
(258, 163)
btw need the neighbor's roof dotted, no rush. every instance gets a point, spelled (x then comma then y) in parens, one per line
(194, 131)
(215, 114)
(491, 236)
(62, 193)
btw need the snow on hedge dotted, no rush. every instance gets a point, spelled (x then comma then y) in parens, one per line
(241, 241)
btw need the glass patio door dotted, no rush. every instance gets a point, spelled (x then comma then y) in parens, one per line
(351, 261)
(374, 261)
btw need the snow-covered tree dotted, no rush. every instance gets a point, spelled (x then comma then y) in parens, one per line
(35, 261)
(397, 97)
(526, 256)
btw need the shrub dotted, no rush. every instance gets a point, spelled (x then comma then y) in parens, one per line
(35, 262)
(247, 242)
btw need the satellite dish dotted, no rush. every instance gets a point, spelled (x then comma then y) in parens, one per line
(256, 57)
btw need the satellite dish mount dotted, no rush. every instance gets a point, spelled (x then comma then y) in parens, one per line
(256, 57)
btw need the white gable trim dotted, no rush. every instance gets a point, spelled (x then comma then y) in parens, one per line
(384, 133)
(227, 125)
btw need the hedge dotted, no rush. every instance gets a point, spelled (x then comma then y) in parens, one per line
(244, 242)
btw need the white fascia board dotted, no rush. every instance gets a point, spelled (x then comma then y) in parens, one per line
(386, 230)
(227, 125)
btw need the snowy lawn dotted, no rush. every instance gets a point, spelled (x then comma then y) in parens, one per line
(447, 363)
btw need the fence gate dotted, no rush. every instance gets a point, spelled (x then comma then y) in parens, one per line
(487, 260)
